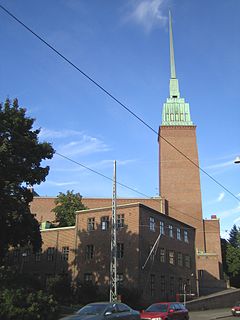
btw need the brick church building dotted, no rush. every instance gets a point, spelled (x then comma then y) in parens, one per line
(188, 254)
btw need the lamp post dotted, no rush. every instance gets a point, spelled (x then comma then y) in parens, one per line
(237, 160)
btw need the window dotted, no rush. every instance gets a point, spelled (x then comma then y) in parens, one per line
(90, 224)
(171, 257)
(170, 231)
(163, 285)
(123, 307)
(104, 223)
(120, 250)
(89, 252)
(185, 236)
(161, 227)
(120, 280)
(162, 255)
(65, 253)
(153, 252)
(171, 117)
(180, 285)
(187, 261)
(120, 221)
(171, 287)
(16, 255)
(152, 224)
(50, 253)
(178, 233)
(152, 284)
(38, 256)
(180, 259)
(88, 278)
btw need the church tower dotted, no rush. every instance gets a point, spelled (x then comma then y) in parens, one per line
(179, 179)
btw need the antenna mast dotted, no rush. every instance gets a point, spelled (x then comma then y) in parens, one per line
(113, 266)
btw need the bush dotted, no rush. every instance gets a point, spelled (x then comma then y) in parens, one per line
(60, 287)
(22, 305)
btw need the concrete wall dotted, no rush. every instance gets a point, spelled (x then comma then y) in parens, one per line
(226, 298)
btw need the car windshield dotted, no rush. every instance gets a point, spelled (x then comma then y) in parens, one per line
(92, 309)
(157, 308)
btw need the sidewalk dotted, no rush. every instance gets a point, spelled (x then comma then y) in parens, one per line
(211, 314)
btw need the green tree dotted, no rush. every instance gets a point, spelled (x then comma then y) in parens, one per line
(66, 207)
(233, 260)
(20, 165)
(234, 237)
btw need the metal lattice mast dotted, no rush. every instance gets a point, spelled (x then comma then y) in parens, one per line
(113, 265)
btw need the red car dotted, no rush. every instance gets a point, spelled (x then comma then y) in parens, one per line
(165, 311)
(236, 309)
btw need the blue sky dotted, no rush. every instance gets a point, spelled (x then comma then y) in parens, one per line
(124, 46)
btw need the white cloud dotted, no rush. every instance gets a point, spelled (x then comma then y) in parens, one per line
(61, 184)
(148, 13)
(221, 197)
(54, 134)
(229, 212)
(220, 165)
(96, 165)
(85, 146)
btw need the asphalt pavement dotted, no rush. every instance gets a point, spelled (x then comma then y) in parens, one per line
(212, 314)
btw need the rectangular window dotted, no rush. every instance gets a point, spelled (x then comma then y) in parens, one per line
(152, 285)
(65, 253)
(120, 221)
(104, 223)
(50, 253)
(180, 285)
(162, 255)
(187, 261)
(171, 286)
(88, 278)
(152, 224)
(16, 255)
(170, 231)
(153, 254)
(89, 252)
(180, 259)
(90, 224)
(186, 236)
(171, 257)
(162, 228)
(120, 280)
(120, 250)
(178, 233)
(38, 256)
(163, 285)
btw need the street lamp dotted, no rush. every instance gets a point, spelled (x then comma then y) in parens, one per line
(237, 160)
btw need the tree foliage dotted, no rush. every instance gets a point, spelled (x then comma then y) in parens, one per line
(234, 237)
(66, 207)
(20, 165)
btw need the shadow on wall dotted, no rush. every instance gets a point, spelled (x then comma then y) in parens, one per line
(209, 284)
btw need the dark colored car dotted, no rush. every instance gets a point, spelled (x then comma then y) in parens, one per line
(105, 311)
(165, 311)
(236, 309)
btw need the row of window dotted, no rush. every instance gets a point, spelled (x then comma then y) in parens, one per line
(50, 254)
(176, 117)
(91, 223)
(90, 251)
(179, 235)
(172, 286)
(171, 257)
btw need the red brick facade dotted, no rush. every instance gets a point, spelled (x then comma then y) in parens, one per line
(88, 243)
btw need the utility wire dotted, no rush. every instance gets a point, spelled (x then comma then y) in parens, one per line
(116, 100)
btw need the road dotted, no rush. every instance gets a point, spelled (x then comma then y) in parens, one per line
(212, 314)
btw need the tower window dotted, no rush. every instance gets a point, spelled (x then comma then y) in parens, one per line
(171, 117)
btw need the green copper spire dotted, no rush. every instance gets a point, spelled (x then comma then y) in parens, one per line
(176, 111)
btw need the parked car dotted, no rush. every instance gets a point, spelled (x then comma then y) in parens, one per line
(105, 311)
(164, 311)
(236, 309)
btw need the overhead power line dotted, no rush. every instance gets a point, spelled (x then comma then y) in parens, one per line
(116, 99)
